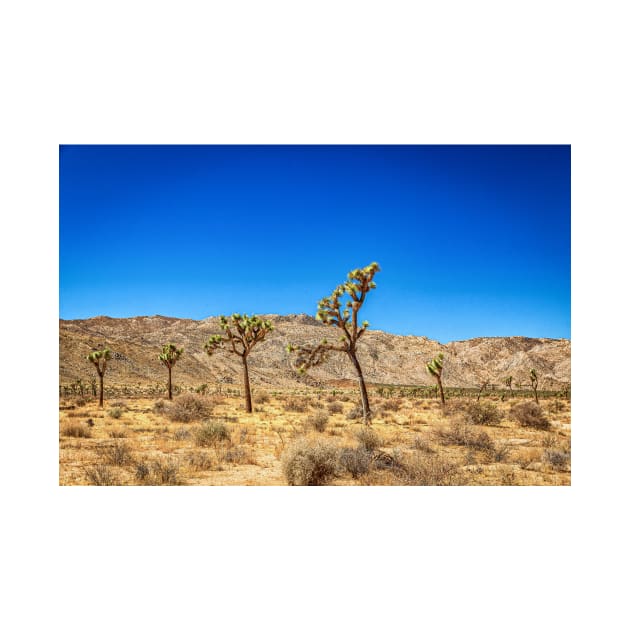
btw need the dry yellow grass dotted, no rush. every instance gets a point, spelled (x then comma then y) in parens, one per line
(141, 446)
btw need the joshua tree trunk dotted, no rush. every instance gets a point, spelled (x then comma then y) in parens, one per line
(100, 400)
(248, 393)
(170, 385)
(536, 394)
(439, 380)
(367, 414)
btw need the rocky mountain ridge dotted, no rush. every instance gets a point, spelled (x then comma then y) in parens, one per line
(385, 358)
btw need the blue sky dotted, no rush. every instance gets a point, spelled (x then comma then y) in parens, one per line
(472, 240)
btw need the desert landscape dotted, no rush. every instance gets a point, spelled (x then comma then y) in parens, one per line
(308, 428)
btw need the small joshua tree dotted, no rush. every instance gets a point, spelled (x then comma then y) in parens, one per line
(331, 312)
(434, 368)
(508, 383)
(241, 334)
(533, 377)
(484, 385)
(99, 359)
(169, 357)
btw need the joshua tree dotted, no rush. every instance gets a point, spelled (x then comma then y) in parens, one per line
(331, 312)
(508, 382)
(533, 377)
(434, 368)
(170, 355)
(99, 359)
(483, 386)
(241, 334)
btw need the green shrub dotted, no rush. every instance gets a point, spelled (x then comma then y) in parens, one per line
(115, 412)
(211, 433)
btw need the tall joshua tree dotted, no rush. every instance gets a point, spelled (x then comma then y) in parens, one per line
(508, 383)
(434, 368)
(331, 312)
(169, 357)
(533, 377)
(99, 359)
(240, 334)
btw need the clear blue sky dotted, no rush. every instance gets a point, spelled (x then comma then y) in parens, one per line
(472, 240)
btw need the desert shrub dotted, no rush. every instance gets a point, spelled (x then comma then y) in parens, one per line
(391, 404)
(356, 461)
(556, 406)
(181, 434)
(189, 408)
(335, 407)
(388, 461)
(211, 433)
(237, 455)
(318, 421)
(420, 444)
(557, 459)
(118, 453)
(80, 402)
(101, 475)
(117, 434)
(142, 471)
(355, 413)
(310, 463)
(368, 438)
(159, 407)
(298, 405)
(165, 473)
(76, 430)
(261, 397)
(160, 472)
(529, 414)
(501, 452)
(200, 461)
(115, 412)
(484, 413)
(461, 434)
(422, 469)
(78, 414)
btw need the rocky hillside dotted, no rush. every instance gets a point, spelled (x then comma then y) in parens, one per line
(385, 358)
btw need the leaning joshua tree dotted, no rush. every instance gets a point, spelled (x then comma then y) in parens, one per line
(240, 334)
(99, 359)
(434, 368)
(169, 356)
(331, 312)
(533, 377)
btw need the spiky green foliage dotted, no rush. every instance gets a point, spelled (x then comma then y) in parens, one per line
(240, 334)
(434, 368)
(169, 356)
(341, 309)
(99, 359)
